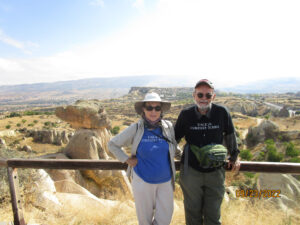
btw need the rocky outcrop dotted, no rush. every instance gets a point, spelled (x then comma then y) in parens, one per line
(7, 133)
(262, 132)
(284, 112)
(84, 114)
(56, 137)
(287, 185)
(90, 142)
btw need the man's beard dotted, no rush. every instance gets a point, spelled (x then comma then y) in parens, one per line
(203, 107)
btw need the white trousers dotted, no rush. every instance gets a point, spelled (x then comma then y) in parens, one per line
(153, 202)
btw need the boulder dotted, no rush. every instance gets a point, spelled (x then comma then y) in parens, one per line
(284, 112)
(26, 148)
(87, 144)
(84, 114)
(43, 194)
(265, 130)
(288, 186)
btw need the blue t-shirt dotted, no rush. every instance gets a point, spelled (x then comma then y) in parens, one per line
(153, 158)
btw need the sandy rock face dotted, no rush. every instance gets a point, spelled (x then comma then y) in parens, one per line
(55, 137)
(264, 131)
(288, 186)
(86, 144)
(84, 114)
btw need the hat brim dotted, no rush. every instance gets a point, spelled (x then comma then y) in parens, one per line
(138, 106)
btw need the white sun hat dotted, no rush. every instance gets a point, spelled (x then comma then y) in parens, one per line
(151, 97)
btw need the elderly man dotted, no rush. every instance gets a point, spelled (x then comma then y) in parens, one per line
(204, 124)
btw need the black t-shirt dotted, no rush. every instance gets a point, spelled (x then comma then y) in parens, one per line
(202, 130)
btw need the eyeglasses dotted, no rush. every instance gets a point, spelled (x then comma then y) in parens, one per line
(150, 108)
(207, 95)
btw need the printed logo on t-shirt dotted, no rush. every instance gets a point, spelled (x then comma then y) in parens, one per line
(152, 138)
(204, 126)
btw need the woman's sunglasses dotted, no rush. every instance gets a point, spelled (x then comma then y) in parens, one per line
(207, 95)
(150, 108)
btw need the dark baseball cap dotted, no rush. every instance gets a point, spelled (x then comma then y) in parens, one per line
(206, 82)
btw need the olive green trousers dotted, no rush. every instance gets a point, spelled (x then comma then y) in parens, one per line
(203, 194)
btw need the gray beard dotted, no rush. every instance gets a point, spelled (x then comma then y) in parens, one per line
(203, 108)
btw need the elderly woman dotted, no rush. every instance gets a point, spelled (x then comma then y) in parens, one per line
(151, 164)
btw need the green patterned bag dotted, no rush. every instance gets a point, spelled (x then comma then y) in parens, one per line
(210, 156)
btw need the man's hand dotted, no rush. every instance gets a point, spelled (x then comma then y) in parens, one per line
(235, 166)
(132, 161)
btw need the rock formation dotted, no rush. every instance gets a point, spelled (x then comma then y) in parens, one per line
(90, 142)
(56, 137)
(288, 186)
(284, 112)
(84, 114)
(262, 132)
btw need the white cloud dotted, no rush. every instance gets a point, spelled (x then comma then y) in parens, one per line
(97, 3)
(24, 46)
(229, 42)
(10, 41)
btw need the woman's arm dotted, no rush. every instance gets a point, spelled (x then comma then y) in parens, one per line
(123, 139)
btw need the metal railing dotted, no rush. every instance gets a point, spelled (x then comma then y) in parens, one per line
(86, 164)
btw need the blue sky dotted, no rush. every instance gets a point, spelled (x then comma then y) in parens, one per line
(231, 42)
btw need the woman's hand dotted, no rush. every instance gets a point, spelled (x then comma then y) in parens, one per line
(132, 161)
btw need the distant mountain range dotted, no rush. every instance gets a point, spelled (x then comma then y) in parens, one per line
(39, 95)
(281, 85)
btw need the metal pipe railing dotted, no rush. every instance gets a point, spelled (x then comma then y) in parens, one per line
(87, 164)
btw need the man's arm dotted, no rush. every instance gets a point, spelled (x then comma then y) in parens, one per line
(231, 144)
(179, 128)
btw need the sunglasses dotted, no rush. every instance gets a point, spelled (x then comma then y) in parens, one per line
(150, 108)
(207, 95)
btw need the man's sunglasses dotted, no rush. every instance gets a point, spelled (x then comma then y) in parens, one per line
(207, 95)
(150, 108)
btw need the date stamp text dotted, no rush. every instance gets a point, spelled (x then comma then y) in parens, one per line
(258, 193)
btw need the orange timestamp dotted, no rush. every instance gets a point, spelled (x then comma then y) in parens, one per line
(258, 193)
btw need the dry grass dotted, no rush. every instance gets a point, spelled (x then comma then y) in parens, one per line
(257, 212)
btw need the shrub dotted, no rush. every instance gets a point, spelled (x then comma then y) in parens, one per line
(273, 155)
(47, 123)
(261, 156)
(24, 121)
(291, 150)
(14, 114)
(246, 155)
(8, 126)
(295, 160)
(35, 121)
(30, 125)
(31, 113)
(115, 130)
(18, 124)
